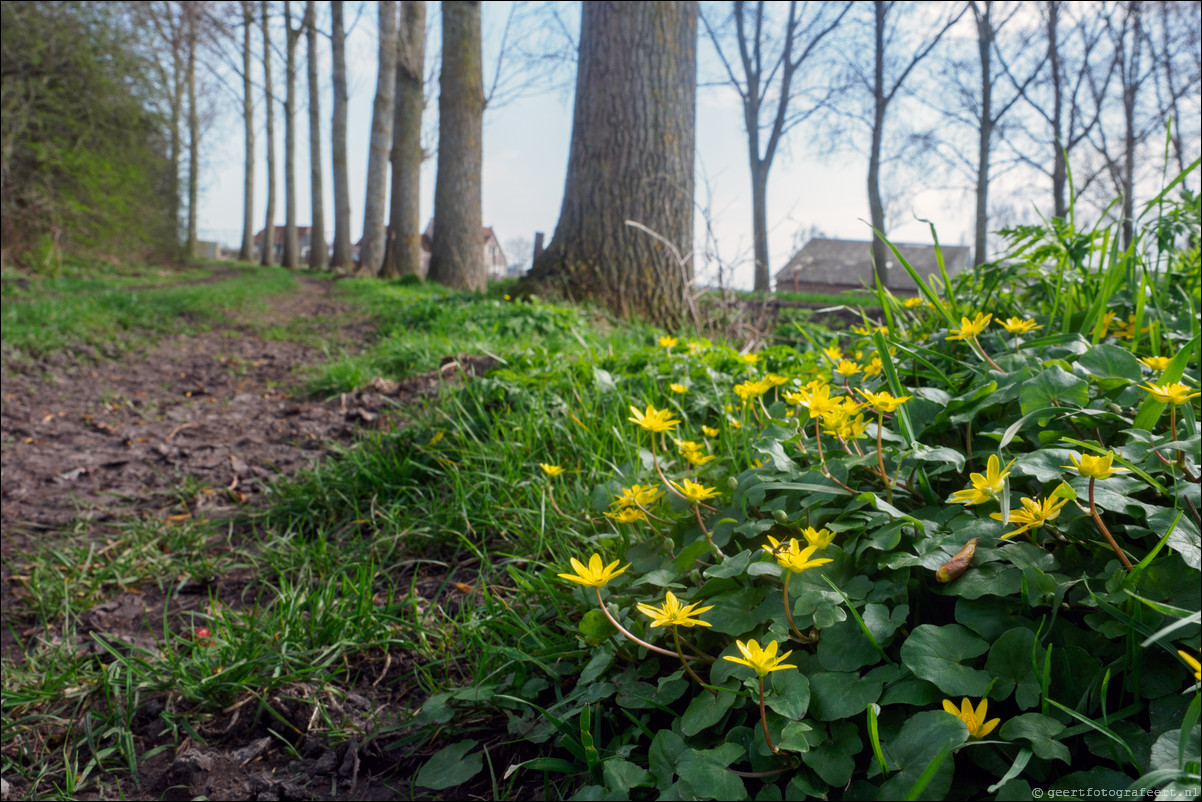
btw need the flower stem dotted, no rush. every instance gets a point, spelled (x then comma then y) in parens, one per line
(788, 611)
(984, 355)
(717, 551)
(1097, 519)
(551, 497)
(764, 721)
(626, 632)
(880, 459)
(685, 662)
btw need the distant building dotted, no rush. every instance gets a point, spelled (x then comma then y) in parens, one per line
(304, 240)
(834, 265)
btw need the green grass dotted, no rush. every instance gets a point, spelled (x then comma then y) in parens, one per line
(52, 315)
(852, 298)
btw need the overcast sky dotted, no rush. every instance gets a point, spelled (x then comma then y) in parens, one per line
(525, 158)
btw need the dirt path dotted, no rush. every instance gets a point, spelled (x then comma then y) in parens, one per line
(212, 412)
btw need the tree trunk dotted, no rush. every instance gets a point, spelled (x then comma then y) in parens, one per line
(176, 144)
(405, 243)
(343, 258)
(876, 206)
(193, 131)
(1059, 164)
(375, 206)
(268, 255)
(457, 254)
(759, 223)
(317, 231)
(1130, 72)
(631, 158)
(247, 252)
(984, 132)
(291, 37)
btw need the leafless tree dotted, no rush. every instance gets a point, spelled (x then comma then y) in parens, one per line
(247, 252)
(404, 252)
(292, 36)
(342, 258)
(772, 73)
(375, 207)
(317, 230)
(268, 245)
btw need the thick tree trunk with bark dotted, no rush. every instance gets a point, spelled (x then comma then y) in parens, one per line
(247, 252)
(268, 255)
(317, 232)
(404, 257)
(292, 36)
(1059, 164)
(876, 206)
(342, 258)
(631, 158)
(375, 207)
(457, 254)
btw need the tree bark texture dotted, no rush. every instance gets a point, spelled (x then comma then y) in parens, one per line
(1059, 164)
(292, 36)
(193, 11)
(404, 257)
(268, 255)
(317, 232)
(984, 23)
(342, 257)
(375, 206)
(457, 254)
(631, 158)
(247, 252)
(876, 206)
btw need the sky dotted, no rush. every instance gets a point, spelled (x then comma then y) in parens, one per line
(526, 145)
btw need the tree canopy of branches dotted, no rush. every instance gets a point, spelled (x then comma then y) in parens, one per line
(85, 161)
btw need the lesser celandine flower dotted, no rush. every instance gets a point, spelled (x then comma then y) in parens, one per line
(847, 368)
(638, 496)
(1156, 363)
(1016, 325)
(911, 303)
(673, 614)
(970, 328)
(753, 389)
(751, 359)
(1094, 467)
(1175, 394)
(790, 555)
(694, 492)
(973, 719)
(762, 661)
(668, 342)
(550, 470)
(1192, 662)
(983, 487)
(654, 420)
(884, 401)
(595, 574)
(819, 539)
(627, 515)
(708, 432)
(834, 353)
(1033, 515)
(679, 389)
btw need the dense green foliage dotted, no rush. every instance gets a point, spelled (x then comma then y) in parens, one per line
(86, 168)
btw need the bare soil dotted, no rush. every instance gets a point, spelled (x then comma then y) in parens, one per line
(200, 425)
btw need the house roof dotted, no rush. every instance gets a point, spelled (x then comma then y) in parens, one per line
(848, 263)
(280, 230)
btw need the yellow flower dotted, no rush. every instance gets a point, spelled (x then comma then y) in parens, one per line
(637, 496)
(749, 390)
(668, 342)
(1094, 467)
(970, 328)
(792, 556)
(841, 424)
(847, 367)
(654, 420)
(593, 575)
(695, 492)
(696, 347)
(1175, 394)
(627, 515)
(834, 353)
(1033, 515)
(884, 400)
(1193, 663)
(679, 389)
(708, 432)
(673, 615)
(1127, 330)
(874, 368)
(763, 661)
(1016, 325)
(911, 303)
(983, 487)
(1156, 363)
(1107, 319)
(819, 539)
(550, 470)
(819, 401)
(973, 719)
(751, 359)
